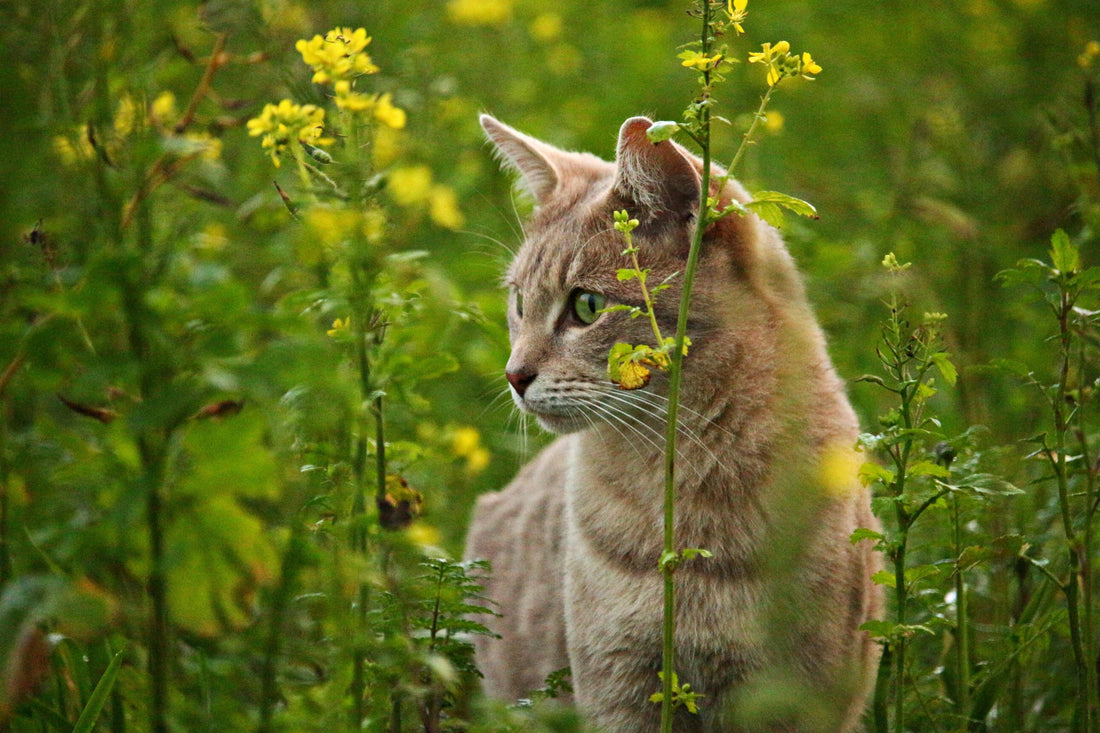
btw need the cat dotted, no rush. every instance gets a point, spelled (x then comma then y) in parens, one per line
(767, 628)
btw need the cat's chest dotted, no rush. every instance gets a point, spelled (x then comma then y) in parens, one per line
(615, 504)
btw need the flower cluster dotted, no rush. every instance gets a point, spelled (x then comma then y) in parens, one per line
(782, 64)
(338, 59)
(282, 123)
(339, 55)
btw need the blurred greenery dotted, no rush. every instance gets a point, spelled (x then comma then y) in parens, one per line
(164, 318)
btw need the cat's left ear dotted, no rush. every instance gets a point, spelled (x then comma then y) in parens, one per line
(658, 177)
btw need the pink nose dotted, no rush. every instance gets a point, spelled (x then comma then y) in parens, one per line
(520, 381)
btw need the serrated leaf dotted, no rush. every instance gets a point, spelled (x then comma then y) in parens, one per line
(942, 360)
(626, 274)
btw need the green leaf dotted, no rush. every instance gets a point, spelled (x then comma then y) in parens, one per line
(693, 552)
(626, 274)
(660, 131)
(884, 577)
(768, 211)
(942, 360)
(790, 203)
(870, 472)
(927, 468)
(1065, 257)
(862, 533)
(91, 711)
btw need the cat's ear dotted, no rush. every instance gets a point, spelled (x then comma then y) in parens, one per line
(531, 158)
(658, 177)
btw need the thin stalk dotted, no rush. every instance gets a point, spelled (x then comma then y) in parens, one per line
(668, 646)
(152, 459)
(746, 140)
(359, 537)
(962, 621)
(1057, 457)
(1088, 542)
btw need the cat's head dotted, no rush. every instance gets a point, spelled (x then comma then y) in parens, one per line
(565, 273)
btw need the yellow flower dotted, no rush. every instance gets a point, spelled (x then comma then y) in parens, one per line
(410, 186)
(163, 110)
(697, 60)
(387, 114)
(546, 27)
(1090, 54)
(736, 11)
(633, 376)
(479, 12)
(374, 225)
(808, 67)
(387, 146)
(125, 116)
(773, 122)
(466, 443)
(443, 207)
(773, 57)
(339, 327)
(75, 148)
(282, 123)
(339, 56)
(782, 64)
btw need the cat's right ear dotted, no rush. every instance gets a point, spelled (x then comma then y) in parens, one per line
(531, 158)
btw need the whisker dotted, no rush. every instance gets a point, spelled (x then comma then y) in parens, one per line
(637, 397)
(636, 425)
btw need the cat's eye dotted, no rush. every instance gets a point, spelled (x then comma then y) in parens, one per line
(519, 303)
(587, 305)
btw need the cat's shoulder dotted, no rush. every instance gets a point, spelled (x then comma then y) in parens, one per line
(530, 504)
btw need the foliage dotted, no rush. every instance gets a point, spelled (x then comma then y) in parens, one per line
(206, 378)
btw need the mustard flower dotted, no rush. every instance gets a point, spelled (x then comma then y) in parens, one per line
(282, 123)
(782, 64)
(340, 55)
(735, 9)
(699, 61)
(339, 327)
(479, 12)
(808, 68)
(1089, 55)
(387, 114)
(773, 57)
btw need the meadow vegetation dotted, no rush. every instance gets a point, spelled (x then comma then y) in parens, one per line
(252, 336)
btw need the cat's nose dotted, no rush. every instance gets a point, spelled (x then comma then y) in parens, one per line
(520, 381)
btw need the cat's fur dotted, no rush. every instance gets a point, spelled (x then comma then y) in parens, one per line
(767, 628)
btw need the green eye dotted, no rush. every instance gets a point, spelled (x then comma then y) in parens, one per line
(519, 304)
(587, 306)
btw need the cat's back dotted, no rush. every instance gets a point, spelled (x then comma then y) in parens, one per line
(518, 530)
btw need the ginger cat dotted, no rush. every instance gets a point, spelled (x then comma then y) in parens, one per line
(768, 628)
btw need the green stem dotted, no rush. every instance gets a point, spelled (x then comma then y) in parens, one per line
(962, 620)
(152, 459)
(645, 291)
(746, 139)
(1083, 718)
(668, 651)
